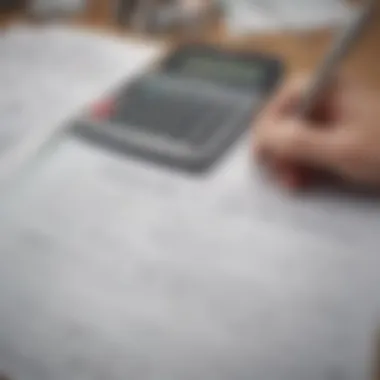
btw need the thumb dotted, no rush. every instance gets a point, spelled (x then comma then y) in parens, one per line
(300, 142)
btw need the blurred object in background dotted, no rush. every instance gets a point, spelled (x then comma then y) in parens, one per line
(124, 10)
(53, 8)
(11, 5)
(247, 16)
(166, 15)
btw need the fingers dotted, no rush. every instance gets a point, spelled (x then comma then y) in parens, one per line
(297, 142)
(288, 145)
(291, 176)
(287, 98)
(340, 136)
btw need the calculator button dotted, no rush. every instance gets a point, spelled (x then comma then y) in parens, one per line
(103, 109)
(182, 120)
(176, 116)
(211, 124)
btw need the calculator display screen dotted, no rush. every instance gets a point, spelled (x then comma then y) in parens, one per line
(223, 70)
(229, 69)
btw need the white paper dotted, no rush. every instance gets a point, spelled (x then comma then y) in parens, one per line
(49, 73)
(116, 269)
(247, 16)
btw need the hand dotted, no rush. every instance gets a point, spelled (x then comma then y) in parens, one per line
(341, 137)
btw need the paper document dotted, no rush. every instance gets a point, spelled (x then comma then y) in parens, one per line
(114, 268)
(248, 16)
(49, 73)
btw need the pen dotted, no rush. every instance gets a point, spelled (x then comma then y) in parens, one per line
(340, 48)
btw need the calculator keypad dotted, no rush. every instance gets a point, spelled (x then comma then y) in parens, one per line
(178, 116)
(169, 121)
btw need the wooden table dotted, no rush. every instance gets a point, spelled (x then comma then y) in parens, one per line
(301, 51)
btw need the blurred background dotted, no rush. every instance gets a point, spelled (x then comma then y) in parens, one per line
(242, 16)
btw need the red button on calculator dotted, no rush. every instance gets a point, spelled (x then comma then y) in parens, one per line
(102, 109)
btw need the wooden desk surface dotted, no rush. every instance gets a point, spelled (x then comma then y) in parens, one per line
(301, 51)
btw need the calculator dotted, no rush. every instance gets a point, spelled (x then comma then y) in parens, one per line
(186, 113)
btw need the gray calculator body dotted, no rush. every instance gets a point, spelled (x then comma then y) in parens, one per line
(116, 268)
(189, 111)
(185, 125)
